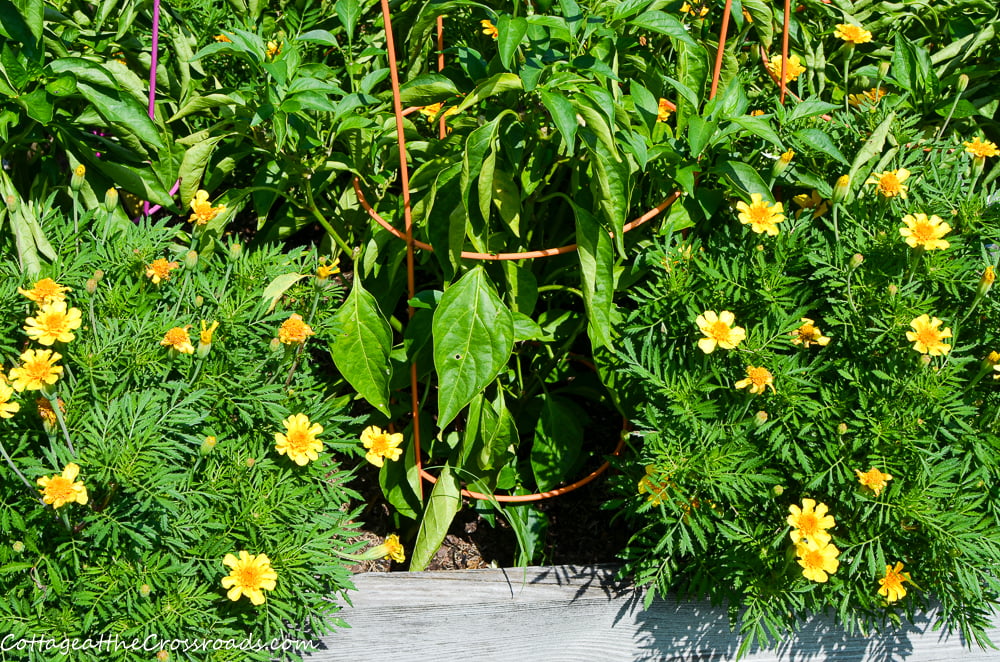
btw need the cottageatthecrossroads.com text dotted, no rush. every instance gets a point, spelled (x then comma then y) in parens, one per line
(150, 644)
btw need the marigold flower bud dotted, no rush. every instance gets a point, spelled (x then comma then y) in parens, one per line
(925, 360)
(208, 445)
(856, 260)
(91, 286)
(98, 275)
(235, 251)
(893, 290)
(883, 68)
(250, 462)
(275, 345)
(778, 490)
(841, 189)
(986, 282)
(76, 183)
(963, 83)
(162, 656)
(11, 202)
(144, 590)
(199, 301)
(18, 546)
(760, 418)
(191, 260)
(782, 164)
(110, 199)
(842, 429)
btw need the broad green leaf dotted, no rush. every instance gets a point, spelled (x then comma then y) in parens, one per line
(663, 23)
(199, 103)
(400, 479)
(904, 66)
(444, 502)
(477, 145)
(646, 105)
(193, 165)
(700, 133)
(498, 432)
(473, 338)
(511, 34)
(763, 19)
(563, 116)
(760, 128)
(693, 73)
(597, 267)
(348, 11)
(63, 86)
(872, 147)
(504, 82)
(36, 103)
(277, 287)
(744, 178)
(485, 184)
(686, 92)
(522, 286)
(324, 37)
(427, 89)
(594, 122)
(123, 112)
(361, 346)
(140, 181)
(809, 108)
(558, 441)
(13, 24)
(613, 183)
(821, 142)
(507, 199)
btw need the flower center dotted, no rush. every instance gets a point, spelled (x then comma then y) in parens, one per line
(923, 232)
(55, 322)
(889, 183)
(808, 524)
(250, 576)
(720, 331)
(928, 336)
(37, 370)
(813, 559)
(59, 488)
(298, 440)
(758, 376)
(760, 215)
(380, 444)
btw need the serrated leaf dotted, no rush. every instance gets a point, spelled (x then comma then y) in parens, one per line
(361, 346)
(473, 338)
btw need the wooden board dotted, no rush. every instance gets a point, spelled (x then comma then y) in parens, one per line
(566, 614)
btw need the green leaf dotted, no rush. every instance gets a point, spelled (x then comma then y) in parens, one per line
(348, 11)
(563, 116)
(558, 441)
(427, 89)
(663, 23)
(760, 128)
(872, 147)
(507, 199)
(511, 34)
(13, 24)
(700, 133)
(442, 505)
(473, 338)
(123, 112)
(821, 142)
(743, 177)
(277, 287)
(497, 84)
(199, 103)
(597, 267)
(36, 103)
(193, 165)
(63, 86)
(809, 108)
(361, 347)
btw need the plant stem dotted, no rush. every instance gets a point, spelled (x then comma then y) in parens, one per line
(322, 219)
(847, 74)
(10, 462)
(54, 400)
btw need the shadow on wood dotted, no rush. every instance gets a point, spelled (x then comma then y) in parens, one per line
(570, 614)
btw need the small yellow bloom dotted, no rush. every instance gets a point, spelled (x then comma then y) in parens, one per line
(159, 270)
(223, 38)
(60, 490)
(812, 201)
(873, 479)
(852, 34)
(273, 48)
(663, 110)
(489, 28)
(431, 111)
(926, 337)
(890, 183)
(699, 10)
(46, 291)
(818, 561)
(870, 97)
(925, 232)
(294, 330)
(794, 67)
(299, 441)
(325, 270)
(37, 370)
(178, 340)
(80, 170)
(756, 113)
(981, 148)
(810, 522)
(654, 485)
(53, 323)
(787, 156)
(394, 549)
(719, 330)
(250, 576)
(381, 445)
(758, 379)
(206, 332)
(760, 215)
(892, 584)
(203, 209)
(7, 408)
(809, 334)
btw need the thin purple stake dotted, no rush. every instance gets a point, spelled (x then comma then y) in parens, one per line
(154, 56)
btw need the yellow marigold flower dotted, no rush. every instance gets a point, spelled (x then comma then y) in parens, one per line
(787, 156)
(159, 270)
(223, 38)
(273, 48)
(37, 370)
(890, 183)
(873, 479)
(206, 332)
(53, 323)
(925, 232)
(45, 291)
(662, 110)
(852, 34)
(178, 340)
(699, 10)
(810, 522)
(719, 330)
(818, 561)
(7, 408)
(653, 485)
(325, 270)
(489, 28)
(794, 67)
(250, 576)
(872, 97)
(809, 334)
(299, 441)
(381, 445)
(756, 113)
(761, 216)
(758, 379)
(926, 337)
(203, 209)
(431, 111)
(60, 490)
(981, 148)
(394, 549)
(891, 586)
(80, 170)
(294, 330)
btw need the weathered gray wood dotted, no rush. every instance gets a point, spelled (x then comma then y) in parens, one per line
(566, 614)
